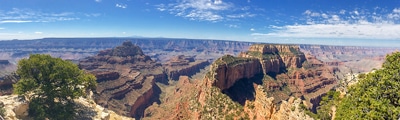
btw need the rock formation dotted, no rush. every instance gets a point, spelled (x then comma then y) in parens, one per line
(179, 102)
(6, 83)
(260, 59)
(228, 69)
(126, 79)
(16, 108)
(283, 70)
(241, 87)
(349, 59)
(183, 66)
(291, 110)
(276, 58)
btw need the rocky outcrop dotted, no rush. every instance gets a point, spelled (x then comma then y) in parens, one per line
(179, 102)
(263, 107)
(276, 58)
(230, 81)
(183, 66)
(6, 83)
(228, 69)
(310, 82)
(267, 59)
(16, 108)
(285, 71)
(290, 110)
(126, 79)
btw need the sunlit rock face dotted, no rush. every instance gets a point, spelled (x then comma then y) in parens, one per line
(126, 79)
(183, 66)
(283, 70)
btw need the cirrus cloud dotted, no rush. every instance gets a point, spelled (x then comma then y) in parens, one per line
(17, 15)
(357, 24)
(203, 10)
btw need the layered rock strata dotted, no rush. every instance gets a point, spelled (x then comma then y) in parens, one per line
(183, 66)
(228, 69)
(260, 59)
(126, 79)
(285, 69)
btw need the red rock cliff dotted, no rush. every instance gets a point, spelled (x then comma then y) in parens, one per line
(126, 79)
(284, 63)
(229, 69)
(183, 66)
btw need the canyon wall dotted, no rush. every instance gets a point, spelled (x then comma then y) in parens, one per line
(267, 59)
(285, 71)
(183, 66)
(228, 69)
(126, 79)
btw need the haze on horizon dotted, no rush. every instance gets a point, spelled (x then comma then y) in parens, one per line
(331, 22)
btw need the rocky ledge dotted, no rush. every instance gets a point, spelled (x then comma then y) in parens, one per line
(183, 66)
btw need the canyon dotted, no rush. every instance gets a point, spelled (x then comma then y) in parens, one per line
(282, 69)
(127, 77)
(147, 78)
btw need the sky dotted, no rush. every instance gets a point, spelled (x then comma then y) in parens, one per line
(334, 22)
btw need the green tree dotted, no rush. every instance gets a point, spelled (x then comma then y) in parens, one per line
(331, 99)
(376, 96)
(51, 84)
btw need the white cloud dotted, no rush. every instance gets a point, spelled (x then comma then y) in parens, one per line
(63, 14)
(311, 13)
(120, 5)
(93, 15)
(363, 25)
(232, 25)
(97, 0)
(342, 12)
(307, 12)
(17, 15)
(396, 10)
(217, 2)
(366, 31)
(15, 21)
(323, 15)
(201, 9)
(38, 32)
(243, 15)
(252, 29)
(204, 10)
(356, 12)
(161, 7)
(335, 17)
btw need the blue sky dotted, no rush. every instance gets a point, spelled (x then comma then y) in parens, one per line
(340, 22)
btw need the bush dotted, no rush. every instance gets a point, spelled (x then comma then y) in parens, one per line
(51, 84)
(376, 96)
